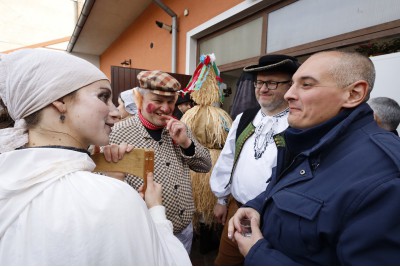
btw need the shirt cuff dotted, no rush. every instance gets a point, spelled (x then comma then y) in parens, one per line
(222, 201)
(158, 213)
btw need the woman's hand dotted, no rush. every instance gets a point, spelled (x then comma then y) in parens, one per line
(115, 152)
(153, 196)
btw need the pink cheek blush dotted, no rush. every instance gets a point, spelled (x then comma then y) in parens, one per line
(150, 108)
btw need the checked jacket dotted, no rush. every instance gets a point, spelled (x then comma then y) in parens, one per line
(171, 168)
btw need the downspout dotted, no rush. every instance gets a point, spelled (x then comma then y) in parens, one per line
(174, 32)
(87, 7)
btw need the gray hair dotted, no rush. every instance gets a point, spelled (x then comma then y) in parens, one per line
(351, 67)
(388, 111)
(142, 91)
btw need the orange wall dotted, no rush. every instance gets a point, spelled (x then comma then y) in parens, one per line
(134, 43)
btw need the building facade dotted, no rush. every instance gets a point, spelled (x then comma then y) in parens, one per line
(237, 31)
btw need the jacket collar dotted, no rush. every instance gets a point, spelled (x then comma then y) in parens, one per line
(333, 129)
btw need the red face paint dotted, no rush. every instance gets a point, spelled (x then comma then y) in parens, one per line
(150, 108)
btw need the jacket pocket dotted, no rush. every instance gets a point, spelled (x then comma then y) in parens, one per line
(296, 216)
(296, 203)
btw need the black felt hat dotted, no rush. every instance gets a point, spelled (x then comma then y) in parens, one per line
(183, 99)
(281, 63)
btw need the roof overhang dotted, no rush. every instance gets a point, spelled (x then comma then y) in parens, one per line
(101, 22)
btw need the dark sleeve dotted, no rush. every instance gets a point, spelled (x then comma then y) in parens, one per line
(371, 234)
(261, 254)
(190, 150)
(200, 161)
(257, 203)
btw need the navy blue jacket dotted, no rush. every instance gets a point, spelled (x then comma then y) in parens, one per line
(338, 203)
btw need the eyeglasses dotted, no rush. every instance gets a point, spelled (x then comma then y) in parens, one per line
(271, 85)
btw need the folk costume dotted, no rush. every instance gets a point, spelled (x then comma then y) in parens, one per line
(210, 125)
(172, 163)
(53, 209)
(253, 146)
(246, 161)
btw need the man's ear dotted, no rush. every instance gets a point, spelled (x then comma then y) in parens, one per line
(60, 106)
(357, 92)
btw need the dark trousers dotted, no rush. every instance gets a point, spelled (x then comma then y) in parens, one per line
(228, 253)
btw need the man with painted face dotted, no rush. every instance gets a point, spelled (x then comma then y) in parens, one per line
(176, 150)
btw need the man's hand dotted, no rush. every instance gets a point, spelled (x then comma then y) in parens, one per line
(153, 196)
(246, 242)
(177, 131)
(220, 212)
(241, 213)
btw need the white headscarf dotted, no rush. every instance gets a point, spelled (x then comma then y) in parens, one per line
(129, 102)
(31, 79)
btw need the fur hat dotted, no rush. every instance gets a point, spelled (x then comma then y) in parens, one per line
(281, 63)
(183, 99)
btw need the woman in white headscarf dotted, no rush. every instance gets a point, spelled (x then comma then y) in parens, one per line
(53, 209)
(126, 104)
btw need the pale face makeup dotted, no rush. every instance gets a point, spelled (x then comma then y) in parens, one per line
(90, 113)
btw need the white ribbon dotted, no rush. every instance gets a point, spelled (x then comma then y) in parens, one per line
(12, 138)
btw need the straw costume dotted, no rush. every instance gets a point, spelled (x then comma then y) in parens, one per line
(210, 125)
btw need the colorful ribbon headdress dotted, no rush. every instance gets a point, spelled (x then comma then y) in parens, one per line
(205, 82)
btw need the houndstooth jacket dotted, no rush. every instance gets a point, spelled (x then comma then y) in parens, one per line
(171, 168)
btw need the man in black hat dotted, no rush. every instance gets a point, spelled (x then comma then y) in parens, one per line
(183, 104)
(249, 154)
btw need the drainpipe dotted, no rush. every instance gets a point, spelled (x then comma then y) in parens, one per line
(87, 7)
(174, 31)
(76, 13)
